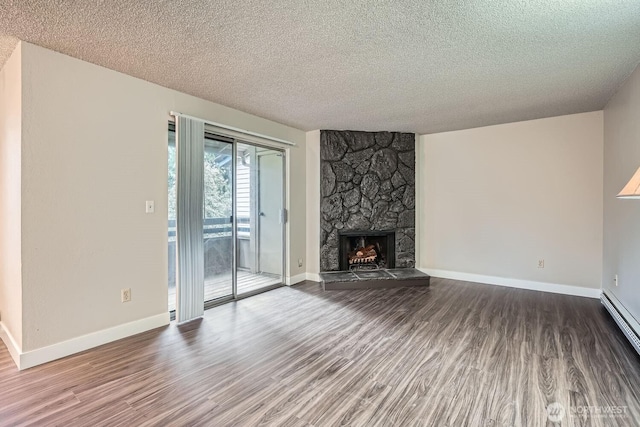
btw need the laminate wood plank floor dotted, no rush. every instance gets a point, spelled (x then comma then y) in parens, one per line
(454, 354)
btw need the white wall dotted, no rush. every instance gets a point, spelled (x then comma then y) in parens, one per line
(622, 217)
(497, 199)
(313, 205)
(420, 181)
(10, 184)
(95, 149)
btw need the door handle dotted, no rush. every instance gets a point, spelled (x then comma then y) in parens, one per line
(262, 214)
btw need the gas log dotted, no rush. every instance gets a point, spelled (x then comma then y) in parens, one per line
(364, 255)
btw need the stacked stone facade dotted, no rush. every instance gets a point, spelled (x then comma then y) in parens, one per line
(367, 183)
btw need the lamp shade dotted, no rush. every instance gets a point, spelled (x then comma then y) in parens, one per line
(632, 189)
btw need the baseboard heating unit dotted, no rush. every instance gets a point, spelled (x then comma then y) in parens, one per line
(629, 326)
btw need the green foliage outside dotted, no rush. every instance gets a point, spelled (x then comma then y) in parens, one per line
(217, 186)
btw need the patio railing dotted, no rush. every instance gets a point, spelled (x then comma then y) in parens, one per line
(216, 227)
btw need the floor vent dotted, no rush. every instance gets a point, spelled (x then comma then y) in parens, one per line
(612, 304)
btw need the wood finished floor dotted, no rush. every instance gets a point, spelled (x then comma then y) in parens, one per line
(455, 354)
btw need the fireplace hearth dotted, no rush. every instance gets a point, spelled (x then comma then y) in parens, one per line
(363, 248)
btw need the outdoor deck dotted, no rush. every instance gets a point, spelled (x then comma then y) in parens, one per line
(220, 286)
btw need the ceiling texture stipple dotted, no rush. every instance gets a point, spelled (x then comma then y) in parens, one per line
(412, 66)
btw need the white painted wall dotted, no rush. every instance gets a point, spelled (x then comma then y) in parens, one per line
(95, 148)
(496, 199)
(10, 215)
(296, 202)
(622, 217)
(313, 205)
(420, 182)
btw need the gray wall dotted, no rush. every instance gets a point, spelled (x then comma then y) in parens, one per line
(622, 217)
(367, 182)
(497, 199)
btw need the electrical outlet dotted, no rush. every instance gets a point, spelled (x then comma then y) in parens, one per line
(125, 295)
(540, 263)
(300, 262)
(615, 280)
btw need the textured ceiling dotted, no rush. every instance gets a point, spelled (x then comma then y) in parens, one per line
(418, 66)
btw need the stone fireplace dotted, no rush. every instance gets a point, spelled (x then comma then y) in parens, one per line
(367, 190)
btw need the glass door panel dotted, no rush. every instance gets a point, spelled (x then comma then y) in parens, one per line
(218, 228)
(171, 213)
(260, 218)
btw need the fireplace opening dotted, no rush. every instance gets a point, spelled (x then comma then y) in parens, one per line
(362, 249)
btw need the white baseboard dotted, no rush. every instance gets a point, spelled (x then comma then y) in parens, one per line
(515, 283)
(296, 279)
(10, 342)
(62, 349)
(314, 277)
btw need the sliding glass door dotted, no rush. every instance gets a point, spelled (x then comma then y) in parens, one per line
(260, 212)
(247, 258)
(218, 219)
